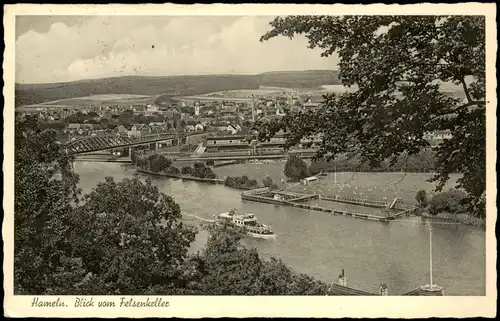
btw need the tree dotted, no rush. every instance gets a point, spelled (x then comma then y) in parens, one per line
(129, 236)
(295, 168)
(45, 188)
(172, 170)
(398, 63)
(225, 267)
(267, 181)
(187, 170)
(421, 198)
(133, 156)
(158, 163)
(199, 169)
(127, 118)
(207, 173)
(244, 179)
(211, 175)
(252, 183)
(141, 161)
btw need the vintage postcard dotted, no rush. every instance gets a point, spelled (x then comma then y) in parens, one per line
(250, 160)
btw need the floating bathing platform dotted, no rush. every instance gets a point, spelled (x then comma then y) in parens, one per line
(265, 195)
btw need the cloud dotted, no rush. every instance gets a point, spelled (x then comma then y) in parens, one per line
(101, 46)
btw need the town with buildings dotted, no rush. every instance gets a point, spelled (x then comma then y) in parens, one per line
(213, 117)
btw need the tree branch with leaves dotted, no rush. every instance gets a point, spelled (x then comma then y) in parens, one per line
(398, 64)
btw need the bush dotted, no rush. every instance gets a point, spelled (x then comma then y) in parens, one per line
(186, 170)
(451, 201)
(141, 161)
(173, 170)
(252, 183)
(229, 181)
(295, 168)
(241, 182)
(199, 166)
(211, 176)
(208, 173)
(210, 162)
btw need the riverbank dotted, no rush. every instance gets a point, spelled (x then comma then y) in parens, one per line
(183, 177)
(462, 218)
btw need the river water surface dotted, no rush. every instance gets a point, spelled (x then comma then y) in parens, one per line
(321, 245)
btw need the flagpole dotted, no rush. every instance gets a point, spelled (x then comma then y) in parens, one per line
(430, 253)
(335, 174)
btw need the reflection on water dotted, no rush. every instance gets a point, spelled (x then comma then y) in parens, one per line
(321, 245)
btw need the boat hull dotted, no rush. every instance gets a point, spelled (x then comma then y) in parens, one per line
(261, 236)
(250, 234)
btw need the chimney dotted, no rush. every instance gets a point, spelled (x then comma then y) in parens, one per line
(342, 280)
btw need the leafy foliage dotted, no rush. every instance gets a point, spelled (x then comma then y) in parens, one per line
(130, 229)
(295, 168)
(398, 64)
(231, 269)
(172, 170)
(241, 182)
(187, 170)
(451, 201)
(201, 171)
(45, 188)
(267, 181)
(158, 163)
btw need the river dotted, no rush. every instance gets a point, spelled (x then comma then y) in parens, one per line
(321, 245)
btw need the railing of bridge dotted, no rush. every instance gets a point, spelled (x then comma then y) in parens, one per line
(157, 137)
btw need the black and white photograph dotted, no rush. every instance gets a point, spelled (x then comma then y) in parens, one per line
(159, 155)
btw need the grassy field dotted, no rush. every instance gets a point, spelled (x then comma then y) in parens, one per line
(373, 186)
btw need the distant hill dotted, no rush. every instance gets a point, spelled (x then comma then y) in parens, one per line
(299, 79)
(27, 94)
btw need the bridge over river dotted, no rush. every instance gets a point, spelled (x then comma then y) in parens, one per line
(100, 143)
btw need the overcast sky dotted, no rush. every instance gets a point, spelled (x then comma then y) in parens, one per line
(67, 48)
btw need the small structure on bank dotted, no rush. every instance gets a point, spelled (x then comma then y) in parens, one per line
(384, 289)
(308, 180)
(342, 280)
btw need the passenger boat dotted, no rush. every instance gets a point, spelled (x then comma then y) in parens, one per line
(248, 222)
